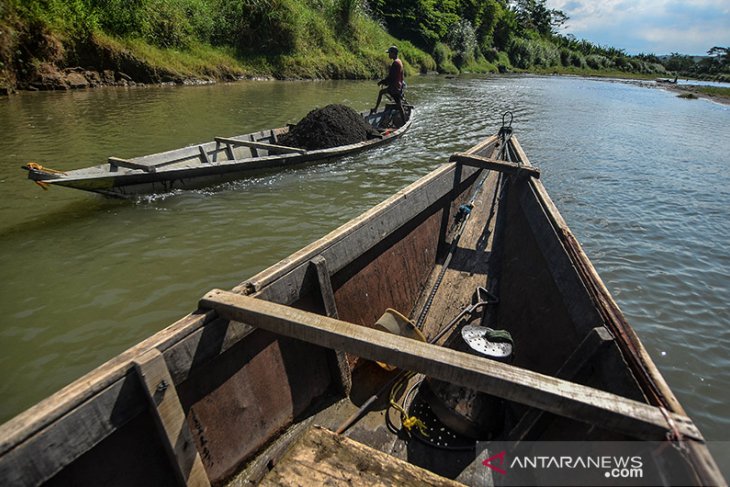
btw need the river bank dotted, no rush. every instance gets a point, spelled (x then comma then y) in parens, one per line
(716, 94)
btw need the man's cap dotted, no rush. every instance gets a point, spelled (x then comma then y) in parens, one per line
(392, 49)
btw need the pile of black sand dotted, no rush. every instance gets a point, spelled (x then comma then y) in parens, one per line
(327, 127)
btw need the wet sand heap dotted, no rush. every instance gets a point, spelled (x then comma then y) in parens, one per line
(327, 127)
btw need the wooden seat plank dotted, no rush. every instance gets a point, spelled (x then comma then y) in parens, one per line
(550, 394)
(260, 145)
(495, 164)
(116, 162)
(322, 457)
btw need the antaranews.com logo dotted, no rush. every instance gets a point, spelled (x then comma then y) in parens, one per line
(572, 463)
(614, 467)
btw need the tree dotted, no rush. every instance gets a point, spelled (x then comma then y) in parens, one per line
(679, 63)
(535, 15)
(721, 54)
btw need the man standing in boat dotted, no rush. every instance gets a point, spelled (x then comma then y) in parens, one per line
(393, 83)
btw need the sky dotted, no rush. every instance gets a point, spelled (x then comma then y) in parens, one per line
(658, 27)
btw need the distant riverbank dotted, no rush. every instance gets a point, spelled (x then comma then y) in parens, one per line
(714, 93)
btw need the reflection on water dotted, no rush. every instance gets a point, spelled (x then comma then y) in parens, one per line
(638, 174)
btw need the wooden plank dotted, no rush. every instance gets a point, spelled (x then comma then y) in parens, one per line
(586, 351)
(260, 145)
(216, 151)
(495, 165)
(364, 231)
(351, 240)
(325, 286)
(204, 155)
(170, 418)
(115, 162)
(339, 366)
(508, 382)
(322, 457)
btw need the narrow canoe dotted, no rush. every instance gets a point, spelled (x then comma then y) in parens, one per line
(231, 393)
(196, 166)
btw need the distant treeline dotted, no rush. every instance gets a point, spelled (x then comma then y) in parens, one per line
(306, 38)
(716, 65)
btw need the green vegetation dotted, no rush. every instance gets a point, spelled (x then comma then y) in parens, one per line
(175, 40)
(712, 91)
(714, 66)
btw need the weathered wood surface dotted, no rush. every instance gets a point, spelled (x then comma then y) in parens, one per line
(352, 239)
(341, 246)
(321, 457)
(115, 162)
(512, 383)
(170, 419)
(469, 265)
(325, 286)
(490, 163)
(260, 145)
(204, 155)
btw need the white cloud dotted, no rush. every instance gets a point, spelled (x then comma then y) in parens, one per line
(659, 26)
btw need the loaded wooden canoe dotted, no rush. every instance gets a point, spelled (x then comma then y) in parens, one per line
(231, 393)
(196, 166)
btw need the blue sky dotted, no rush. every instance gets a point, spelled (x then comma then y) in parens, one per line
(649, 26)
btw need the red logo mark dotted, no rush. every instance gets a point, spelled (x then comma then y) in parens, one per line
(499, 456)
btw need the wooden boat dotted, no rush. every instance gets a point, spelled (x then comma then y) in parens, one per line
(231, 394)
(223, 159)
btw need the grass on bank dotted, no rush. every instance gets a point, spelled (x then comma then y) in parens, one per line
(712, 91)
(288, 39)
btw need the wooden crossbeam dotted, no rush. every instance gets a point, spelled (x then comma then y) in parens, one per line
(495, 165)
(116, 162)
(325, 286)
(170, 419)
(204, 155)
(512, 383)
(260, 145)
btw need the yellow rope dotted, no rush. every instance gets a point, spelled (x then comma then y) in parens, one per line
(407, 421)
(38, 167)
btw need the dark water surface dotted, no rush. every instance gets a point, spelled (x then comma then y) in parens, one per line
(640, 175)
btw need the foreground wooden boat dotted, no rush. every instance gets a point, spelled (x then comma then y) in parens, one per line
(223, 159)
(230, 394)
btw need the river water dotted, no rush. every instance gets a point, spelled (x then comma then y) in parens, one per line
(640, 176)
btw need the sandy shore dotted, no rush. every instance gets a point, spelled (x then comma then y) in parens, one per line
(692, 91)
